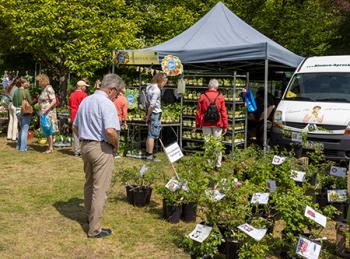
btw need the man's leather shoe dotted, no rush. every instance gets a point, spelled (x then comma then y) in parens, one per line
(104, 232)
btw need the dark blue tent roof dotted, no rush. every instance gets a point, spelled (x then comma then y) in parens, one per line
(222, 36)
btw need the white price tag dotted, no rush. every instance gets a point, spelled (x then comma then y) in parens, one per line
(271, 185)
(173, 152)
(185, 187)
(315, 216)
(277, 160)
(298, 176)
(253, 232)
(200, 233)
(261, 198)
(337, 195)
(297, 137)
(338, 171)
(173, 185)
(308, 249)
(214, 195)
(143, 170)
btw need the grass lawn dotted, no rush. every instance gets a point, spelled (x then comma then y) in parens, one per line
(42, 214)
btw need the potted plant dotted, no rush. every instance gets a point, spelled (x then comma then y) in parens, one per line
(138, 184)
(172, 204)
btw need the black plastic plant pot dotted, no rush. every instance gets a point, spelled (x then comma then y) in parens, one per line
(130, 193)
(148, 194)
(140, 196)
(342, 208)
(189, 212)
(321, 199)
(231, 248)
(172, 213)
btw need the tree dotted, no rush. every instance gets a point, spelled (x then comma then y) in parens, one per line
(68, 35)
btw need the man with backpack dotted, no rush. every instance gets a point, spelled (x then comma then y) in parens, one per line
(211, 114)
(154, 111)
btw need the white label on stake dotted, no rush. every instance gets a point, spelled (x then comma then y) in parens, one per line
(308, 249)
(261, 198)
(298, 176)
(337, 195)
(256, 233)
(214, 195)
(143, 170)
(173, 184)
(297, 137)
(173, 152)
(271, 185)
(200, 233)
(185, 187)
(277, 160)
(338, 171)
(315, 216)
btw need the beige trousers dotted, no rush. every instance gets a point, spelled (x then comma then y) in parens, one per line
(12, 129)
(215, 132)
(76, 144)
(98, 167)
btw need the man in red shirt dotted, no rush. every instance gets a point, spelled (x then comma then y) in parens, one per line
(73, 103)
(212, 127)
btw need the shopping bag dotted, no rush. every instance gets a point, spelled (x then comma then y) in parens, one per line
(45, 126)
(250, 101)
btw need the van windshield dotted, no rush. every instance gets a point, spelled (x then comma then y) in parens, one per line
(319, 87)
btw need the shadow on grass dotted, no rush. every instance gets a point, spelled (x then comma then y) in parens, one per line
(38, 148)
(73, 210)
(65, 151)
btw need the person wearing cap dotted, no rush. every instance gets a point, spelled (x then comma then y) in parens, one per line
(73, 103)
(97, 126)
(154, 113)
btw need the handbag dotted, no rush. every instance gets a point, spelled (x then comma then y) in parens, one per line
(250, 101)
(26, 107)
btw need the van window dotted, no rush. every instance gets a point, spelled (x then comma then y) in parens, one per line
(320, 87)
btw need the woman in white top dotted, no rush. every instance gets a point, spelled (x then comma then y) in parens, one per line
(12, 129)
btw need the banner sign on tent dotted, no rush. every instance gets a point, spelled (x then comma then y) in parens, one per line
(173, 152)
(135, 58)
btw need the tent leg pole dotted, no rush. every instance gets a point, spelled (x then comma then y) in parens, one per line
(113, 67)
(265, 103)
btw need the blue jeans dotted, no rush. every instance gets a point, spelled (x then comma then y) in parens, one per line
(154, 125)
(24, 121)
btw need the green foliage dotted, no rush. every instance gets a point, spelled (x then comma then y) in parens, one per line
(67, 36)
(209, 247)
(132, 176)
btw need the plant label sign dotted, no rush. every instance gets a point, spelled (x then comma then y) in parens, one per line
(271, 185)
(338, 171)
(315, 216)
(173, 185)
(337, 195)
(200, 233)
(214, 195)
(298, 176)
(143, 170)
(173, 152)
(253, 232)
(185, 187)
(297, 137)
(261, 198)
(277, 160)
(308, 249)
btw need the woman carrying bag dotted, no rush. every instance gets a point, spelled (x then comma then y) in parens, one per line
(22, 101)
(47, 101)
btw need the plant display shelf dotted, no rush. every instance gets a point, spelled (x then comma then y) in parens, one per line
(231, 86)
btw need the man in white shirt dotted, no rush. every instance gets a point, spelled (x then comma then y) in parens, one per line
(153, 116)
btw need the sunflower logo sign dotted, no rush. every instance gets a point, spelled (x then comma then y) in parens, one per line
(172, 66)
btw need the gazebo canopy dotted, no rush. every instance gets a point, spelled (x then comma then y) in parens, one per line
(221, 36)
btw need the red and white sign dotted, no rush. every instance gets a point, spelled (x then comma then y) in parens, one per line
(256, 233)
(315, 216)
(308, 249)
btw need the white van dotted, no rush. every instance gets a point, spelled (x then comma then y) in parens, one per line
(317, 102)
